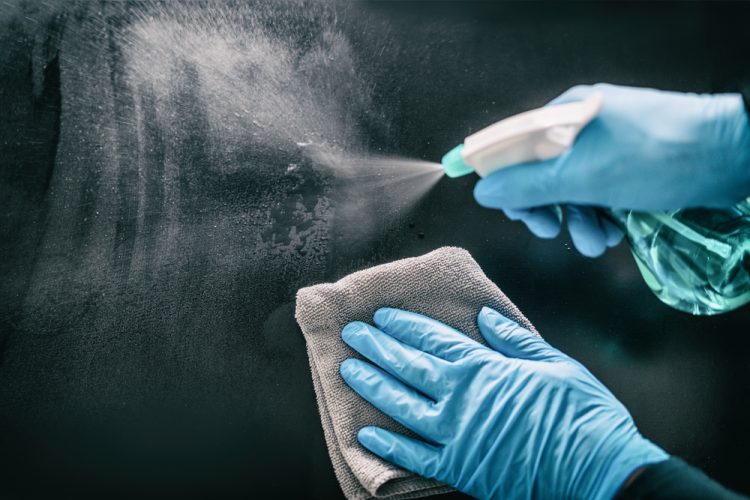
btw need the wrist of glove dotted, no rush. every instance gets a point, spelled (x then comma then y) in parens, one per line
(516, 418)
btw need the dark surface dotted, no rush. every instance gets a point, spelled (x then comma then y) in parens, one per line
(158, 216)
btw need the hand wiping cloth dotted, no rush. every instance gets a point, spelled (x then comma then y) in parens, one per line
(446, 284)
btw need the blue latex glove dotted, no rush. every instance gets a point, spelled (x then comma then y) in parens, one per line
(518, 419)
(647, 150)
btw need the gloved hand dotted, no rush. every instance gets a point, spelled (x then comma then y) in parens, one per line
(514, 420)
(647, 150)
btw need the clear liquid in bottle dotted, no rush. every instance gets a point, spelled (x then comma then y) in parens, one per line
(695, 260)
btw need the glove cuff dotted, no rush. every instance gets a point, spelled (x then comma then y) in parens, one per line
(617, 468)
(608, 472)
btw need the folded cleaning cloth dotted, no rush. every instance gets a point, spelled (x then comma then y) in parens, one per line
(447, 285)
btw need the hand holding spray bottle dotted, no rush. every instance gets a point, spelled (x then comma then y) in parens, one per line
(696, 260)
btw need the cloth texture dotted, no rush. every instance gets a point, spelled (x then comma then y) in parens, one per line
(446, 284)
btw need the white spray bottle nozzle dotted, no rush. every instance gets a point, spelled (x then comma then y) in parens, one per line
(535, 135)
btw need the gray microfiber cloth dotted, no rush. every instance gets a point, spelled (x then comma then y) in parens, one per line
(446, 284)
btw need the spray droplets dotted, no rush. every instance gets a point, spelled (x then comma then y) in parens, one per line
(403, 181)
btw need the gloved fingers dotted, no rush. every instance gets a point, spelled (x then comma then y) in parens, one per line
(515, 214)
(614, 233)
(587, 234)
(521, 186)
(509, 338)
(544, 222)
(425, 334)
(416, 368)
(391, 396)
(410, 454)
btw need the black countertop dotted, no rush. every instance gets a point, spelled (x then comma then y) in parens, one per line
(172, 174)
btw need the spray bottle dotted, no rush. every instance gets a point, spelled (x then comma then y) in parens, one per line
(695, 260)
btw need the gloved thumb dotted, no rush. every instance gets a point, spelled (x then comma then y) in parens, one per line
(521, 186)
(509, 338)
